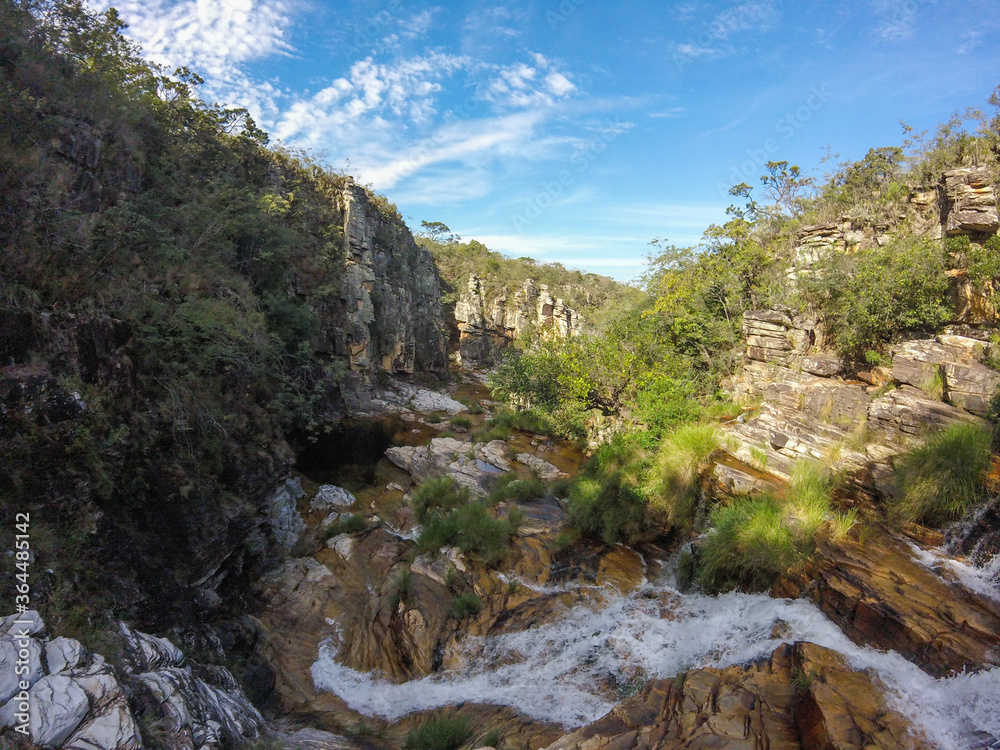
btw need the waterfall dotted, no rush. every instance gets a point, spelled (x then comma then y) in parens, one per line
(574, 669)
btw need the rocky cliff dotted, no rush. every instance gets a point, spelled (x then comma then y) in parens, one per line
(487, 326)
(388, 316)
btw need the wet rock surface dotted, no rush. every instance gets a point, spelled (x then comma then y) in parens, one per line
(803, 696)
(880, 595)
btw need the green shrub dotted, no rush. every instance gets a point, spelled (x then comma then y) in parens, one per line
(747, 546)
(440, 493)
(753, 539)
(449, 517)
(663, 402)
(349, 523)
(439, 734)
(673, 483)
(511, 487)
(606, 500)
(872, 297)
(982, 262)
(461, 422)
(466, 605)
(941, 479)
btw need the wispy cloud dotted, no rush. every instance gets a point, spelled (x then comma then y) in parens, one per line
(970, 41)
(666, 114)
(720, 36)
(896, 18)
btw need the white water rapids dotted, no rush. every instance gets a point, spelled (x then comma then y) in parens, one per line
(567, 671)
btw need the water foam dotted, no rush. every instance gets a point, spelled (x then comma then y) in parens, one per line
(983, 580)
(572, 671)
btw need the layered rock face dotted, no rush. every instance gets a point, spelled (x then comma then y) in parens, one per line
(802, 696)
(809, 408)
(970, 202)
(964, 203)
(390, 296)
(488, 326)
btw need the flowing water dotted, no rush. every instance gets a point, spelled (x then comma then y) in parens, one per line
(573, 670)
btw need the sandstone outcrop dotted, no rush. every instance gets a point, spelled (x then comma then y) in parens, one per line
(389, 315)
(487, 326)
(880, 595)
(802, 697)
(970, 202)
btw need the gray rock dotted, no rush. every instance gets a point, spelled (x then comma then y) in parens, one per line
(64, 653)
(58, 705)
(145, 653)
(330, 496)
(11, 649)
(284, 522)
(29, 622)
(546, 471)
(113, 729)
(823, 365)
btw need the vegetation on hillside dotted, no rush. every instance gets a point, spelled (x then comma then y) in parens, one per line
(655, 365)
(165, 266)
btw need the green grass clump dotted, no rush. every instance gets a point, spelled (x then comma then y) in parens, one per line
(942, 478)
(438, 494)
(439, 734)
(753, 539)
(461, 422)
(673, 484)
(466, 605)
(511, 487)
(747, 546)
(606, 500)
(449, 517)
(349, 523)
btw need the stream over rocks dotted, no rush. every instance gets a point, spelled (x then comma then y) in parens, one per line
(577, 668)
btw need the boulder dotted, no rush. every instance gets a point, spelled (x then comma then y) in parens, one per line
(546, 471)
(58, 705)
(330, 496)
(284, 522)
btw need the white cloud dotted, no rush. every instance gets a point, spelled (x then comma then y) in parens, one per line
(970, 41)
(897, 18)
(668, 114)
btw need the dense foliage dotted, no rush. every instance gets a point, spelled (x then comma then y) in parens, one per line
(177, 276)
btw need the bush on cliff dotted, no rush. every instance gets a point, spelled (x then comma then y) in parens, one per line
(673, 485)
(871, 297)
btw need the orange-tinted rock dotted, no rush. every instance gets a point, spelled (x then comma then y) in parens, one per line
(801, 697)
(881, 596)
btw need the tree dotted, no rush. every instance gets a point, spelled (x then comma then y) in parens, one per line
(438, 231)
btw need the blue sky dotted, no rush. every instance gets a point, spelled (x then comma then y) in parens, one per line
(577, 130)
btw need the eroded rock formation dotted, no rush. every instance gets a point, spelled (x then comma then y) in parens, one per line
(488, 326)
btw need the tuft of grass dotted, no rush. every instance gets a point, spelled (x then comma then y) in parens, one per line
(754, 539)
(747, 546)
(446, 733)
(501, 424)
(461, 422)
(493, 738)
(942, 478)
(449, 517)
(683, 455)
(511, 487)
(435, 418)
(348, 523)
(606, 500)
(466, 605)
